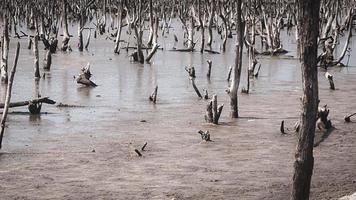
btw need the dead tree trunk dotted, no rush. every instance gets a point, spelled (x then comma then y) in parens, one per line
(150, 37)
(36, 62)
(232, 91)
(66, 37)
(210, 22)
(308, 17)
(154, 39)
(8, 94)
(5, 51)
(48, 60)
(119, 29)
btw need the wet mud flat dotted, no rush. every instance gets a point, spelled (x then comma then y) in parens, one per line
(86, 151)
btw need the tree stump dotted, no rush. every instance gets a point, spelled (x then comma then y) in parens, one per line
(213, 111)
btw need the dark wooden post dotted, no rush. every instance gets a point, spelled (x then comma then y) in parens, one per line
(308, 17)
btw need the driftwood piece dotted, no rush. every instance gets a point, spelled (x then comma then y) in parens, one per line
(8, 94)
(153, 96)
(348, 117)
(84, 77)
(213, 111)
(330, 79)
(205, 135)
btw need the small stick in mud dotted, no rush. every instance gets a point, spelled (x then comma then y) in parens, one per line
(348, 117)
(138, 152)
(229, 74)
(209, 68)
(282, 128)
(144, 146)
(205, 135)
(153, 96)
(331, 81)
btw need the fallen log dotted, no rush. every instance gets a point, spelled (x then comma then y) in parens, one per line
(46, 100)
(211, 51)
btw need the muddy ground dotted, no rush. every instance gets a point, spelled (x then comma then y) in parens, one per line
(87, 151)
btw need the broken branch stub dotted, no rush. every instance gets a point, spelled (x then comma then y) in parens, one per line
(209, 68)
(282, 127)
(330, 79)
(322, 119)
(191, 72)
(229, 74)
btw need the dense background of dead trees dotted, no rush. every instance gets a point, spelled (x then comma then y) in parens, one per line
(253, 24)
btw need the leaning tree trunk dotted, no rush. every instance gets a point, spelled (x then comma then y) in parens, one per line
(308, 18)
(238, 63)
(8, 94)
